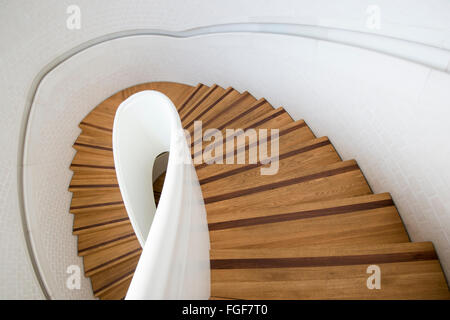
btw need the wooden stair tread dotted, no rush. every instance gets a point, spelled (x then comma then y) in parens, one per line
(307, 232)
(104, 259)
(227, 110)
(199, 95)
(94, 136)
(91, 158)
(85, 176)
(100, 120)
(187, 97)
(344, 204)
(343, 179)
(94, 208)
(90, 199)
(411, 280)
(221, 298)
(101, 219)
(243, 114)
(118, 291)
(274, 119)
(307, 156)
(105, 279)
(238, 114)
(214, 98)
(290, 136)
(408, 271)
(323, 250)
(361, 220)
(95, 241)
(103, 115)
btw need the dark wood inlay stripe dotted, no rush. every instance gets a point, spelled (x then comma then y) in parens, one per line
(254, 125)
(232, 105)
(269, 138)
(200, 101)
(235, 103)
(92, 166)
(305, 149)
(93, 186)
(92, 146)
(256, 165)
(129, 235)
(330, 261)
(212, 105)
(262, 121)
(100, 224)
(96, 205)
(96, 126)
(191, 95)
(246, 112)
(114, 260)
(280, 184)
(300, 215)
(229, 173)
(111, 284)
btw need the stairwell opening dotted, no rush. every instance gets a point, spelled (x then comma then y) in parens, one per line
(159, 175)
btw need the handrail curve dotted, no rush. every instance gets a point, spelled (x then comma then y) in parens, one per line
(174, 263)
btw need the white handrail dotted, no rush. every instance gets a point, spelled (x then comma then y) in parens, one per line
(174, 263)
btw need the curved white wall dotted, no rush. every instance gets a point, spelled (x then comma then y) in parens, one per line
(387, 113)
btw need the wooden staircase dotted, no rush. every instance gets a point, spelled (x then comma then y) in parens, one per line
(308, 232)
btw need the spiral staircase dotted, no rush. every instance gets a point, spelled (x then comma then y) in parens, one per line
(308, 232)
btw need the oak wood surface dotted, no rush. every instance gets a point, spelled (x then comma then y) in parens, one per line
(307, 232)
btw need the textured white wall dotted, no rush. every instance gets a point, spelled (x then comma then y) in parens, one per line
(388, 114)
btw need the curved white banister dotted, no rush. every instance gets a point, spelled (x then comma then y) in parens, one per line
(174, 263)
